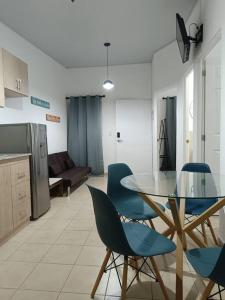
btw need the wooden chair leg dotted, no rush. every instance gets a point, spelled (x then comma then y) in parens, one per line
(172, 235)
(136, 267)
(159, 278)
(204, 233)
(212, 232)
(151, 224)
(208, 290)
(124, 280)
(102, 270)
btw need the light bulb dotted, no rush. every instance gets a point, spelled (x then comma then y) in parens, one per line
(108, 85)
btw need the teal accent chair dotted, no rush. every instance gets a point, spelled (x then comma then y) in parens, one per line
(129, 204)
(209, 263)
(130, 240)
(195, 207)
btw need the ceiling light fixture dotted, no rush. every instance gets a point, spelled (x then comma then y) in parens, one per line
(108, 85)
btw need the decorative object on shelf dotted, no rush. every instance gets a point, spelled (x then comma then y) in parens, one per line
(108, 85)
(52, 118)
(40, 102)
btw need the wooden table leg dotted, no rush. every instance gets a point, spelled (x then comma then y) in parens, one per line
(159, 211)
(178, 216)
(200, 219)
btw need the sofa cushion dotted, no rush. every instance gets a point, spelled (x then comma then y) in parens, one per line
(69, 163)
(74, 175)
(55, 169)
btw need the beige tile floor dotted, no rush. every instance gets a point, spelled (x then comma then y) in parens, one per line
(59, 255)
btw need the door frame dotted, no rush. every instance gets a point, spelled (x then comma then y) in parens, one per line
(188, 71)
(211, 45)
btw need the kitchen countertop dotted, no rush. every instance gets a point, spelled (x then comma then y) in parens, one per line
(9, 156)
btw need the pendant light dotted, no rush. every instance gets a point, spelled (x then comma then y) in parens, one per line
(108, 85)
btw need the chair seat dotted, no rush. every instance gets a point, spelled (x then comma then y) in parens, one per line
(204, 260)
(145, 241)
(196, 207)
(135, 208)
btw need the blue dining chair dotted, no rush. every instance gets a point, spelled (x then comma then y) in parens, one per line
(128, 240)
(129, 204)
(209, 263)
(195, 207)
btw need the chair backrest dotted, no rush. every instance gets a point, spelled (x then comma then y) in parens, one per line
(108, 223)
(115, 190)
(196, 167)
(217, 274)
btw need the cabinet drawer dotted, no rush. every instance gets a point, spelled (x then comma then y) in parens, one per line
(5, 176)
(21, 213)
(21, 192)
(21, 202)
(20, 171)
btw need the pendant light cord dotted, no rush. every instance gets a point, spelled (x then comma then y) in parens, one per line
(107, 72)
(107, 45)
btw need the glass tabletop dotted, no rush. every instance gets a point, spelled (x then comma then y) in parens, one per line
(179, 184)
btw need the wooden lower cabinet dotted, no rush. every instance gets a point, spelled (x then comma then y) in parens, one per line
(15, 200)
(6, 213)
(21, 203)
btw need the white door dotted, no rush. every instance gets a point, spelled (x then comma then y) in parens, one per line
(189, 100)
(212, 108)
(134, 134)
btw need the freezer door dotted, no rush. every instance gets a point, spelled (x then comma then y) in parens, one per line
(40, 183)
(14, 138)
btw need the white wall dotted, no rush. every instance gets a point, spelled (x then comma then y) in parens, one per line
(46, 81)
(131, 82)
(169, 73)
(167, 69)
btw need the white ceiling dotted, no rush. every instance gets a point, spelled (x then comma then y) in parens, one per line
(74, 33)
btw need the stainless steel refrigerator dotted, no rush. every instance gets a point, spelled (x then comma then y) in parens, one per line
(30, 138)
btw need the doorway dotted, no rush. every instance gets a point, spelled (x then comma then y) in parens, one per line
(189, 100)
(212, 102)
(134, 134)
(167, 134)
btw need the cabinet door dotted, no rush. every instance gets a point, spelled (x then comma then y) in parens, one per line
(15, 75)
(6, 215)
(10, 71)
(2, 93)
(23, 78)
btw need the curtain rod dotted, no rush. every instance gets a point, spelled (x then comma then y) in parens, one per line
(101, 96)
(169, 97)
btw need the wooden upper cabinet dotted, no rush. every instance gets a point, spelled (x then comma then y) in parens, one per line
(15, 75)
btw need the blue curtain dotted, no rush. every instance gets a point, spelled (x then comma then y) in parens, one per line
(171, 125)
(85, 132)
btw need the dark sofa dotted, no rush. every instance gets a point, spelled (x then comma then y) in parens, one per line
(62, 166)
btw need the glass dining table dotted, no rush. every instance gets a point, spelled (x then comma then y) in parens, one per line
(180, 185)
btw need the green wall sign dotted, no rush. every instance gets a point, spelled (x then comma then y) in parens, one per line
(40, 102)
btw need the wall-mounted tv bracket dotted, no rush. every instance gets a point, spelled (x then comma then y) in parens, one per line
(199, 34)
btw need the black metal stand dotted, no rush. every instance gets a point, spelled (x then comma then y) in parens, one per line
(163, 147)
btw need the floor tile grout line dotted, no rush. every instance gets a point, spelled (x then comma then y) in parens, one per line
(68, 276)
(26, 277)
